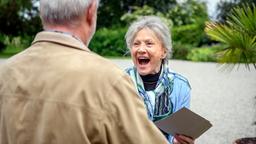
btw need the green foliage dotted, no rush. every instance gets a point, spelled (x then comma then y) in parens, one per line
(14, 45)
(243, 19)
(192, 34)
(144, 11)
(187, 13)
(224, 8)
(18, 17)
(205, 54)
(2, 45)
(189, 22)
(159, 5)
(179, 14)
(181, 50)
(239, 33)
(110, 11)
(109, 42)
(187, 29)
(138, 12)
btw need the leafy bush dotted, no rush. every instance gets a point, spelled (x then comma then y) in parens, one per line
(2, 45)
(145, 11)
(138, 11)
(192, 34)
(109, 42)
(14, 45)
(180, 51)
(187, 12)
(205, 54)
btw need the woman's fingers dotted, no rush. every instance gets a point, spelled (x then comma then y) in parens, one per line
(181, 139)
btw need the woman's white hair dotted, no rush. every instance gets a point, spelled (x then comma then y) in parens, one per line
(59, 12)
(157, 26)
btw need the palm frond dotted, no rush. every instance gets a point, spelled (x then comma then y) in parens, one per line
(243, 19)
(239, 34)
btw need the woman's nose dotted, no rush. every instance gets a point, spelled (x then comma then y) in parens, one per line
(141, 49)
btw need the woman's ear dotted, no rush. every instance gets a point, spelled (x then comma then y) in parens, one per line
(164, 54)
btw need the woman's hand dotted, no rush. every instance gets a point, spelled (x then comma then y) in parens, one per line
(181, 139)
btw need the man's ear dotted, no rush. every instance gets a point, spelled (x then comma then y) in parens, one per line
(91, 12)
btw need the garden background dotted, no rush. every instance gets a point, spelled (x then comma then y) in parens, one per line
(227, 99)
(186, 19)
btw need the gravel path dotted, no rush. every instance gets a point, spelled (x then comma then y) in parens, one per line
(226, 98)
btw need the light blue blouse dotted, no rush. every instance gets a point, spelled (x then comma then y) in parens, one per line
(180, 96)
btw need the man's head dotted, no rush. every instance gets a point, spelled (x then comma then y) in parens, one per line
(77, 16)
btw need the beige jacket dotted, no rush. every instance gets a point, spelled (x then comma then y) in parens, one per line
(58, 92)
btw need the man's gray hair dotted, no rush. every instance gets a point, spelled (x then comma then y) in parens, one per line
(63, 11)
(156, 25)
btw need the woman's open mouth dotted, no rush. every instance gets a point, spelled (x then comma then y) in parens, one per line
(143, 60)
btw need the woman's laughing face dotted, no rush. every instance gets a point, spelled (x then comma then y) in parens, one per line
(147, 52)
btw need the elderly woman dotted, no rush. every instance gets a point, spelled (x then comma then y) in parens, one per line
(163, 91)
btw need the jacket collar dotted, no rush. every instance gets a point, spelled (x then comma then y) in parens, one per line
(60, 38)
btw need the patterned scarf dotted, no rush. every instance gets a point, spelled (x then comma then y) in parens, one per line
(157, 101)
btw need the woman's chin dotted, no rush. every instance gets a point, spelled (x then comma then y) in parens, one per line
(143, 72)
(144, 69)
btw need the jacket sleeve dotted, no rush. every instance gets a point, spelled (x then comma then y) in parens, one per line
(186, 96)
(127, 119)
(181, 94)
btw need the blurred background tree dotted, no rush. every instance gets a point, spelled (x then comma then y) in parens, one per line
(186, 19)
(19, 22)
(110, 11)
(19, 17)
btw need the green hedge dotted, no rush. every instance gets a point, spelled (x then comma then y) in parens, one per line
(205, 54)
(13, 45)
(2, 44)
(106, 42)
(109, 42)
(180, 51)
(192, 34)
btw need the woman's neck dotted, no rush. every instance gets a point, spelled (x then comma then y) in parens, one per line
(150, 80)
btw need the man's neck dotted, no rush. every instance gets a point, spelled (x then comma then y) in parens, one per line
(76, 32)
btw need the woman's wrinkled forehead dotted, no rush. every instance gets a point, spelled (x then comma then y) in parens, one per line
(146, 33)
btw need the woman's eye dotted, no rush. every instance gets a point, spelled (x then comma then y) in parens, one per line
(136, 44)
(150, 44)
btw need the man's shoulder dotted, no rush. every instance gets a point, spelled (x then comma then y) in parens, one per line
(98, 67)
(102, 64)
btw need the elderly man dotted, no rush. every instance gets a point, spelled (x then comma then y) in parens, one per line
(58, 92)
